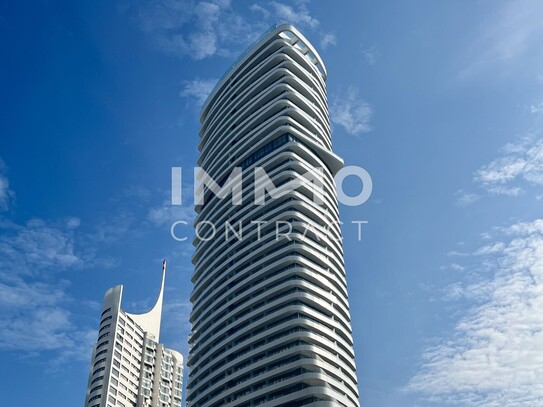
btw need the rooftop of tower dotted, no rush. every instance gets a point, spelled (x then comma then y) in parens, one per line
(286, 31)
(149, 321)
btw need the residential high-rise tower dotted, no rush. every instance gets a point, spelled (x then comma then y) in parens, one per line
(270, 318)
(129, 367)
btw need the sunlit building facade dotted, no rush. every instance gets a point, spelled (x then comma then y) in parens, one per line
(129, 366)
(270, 319)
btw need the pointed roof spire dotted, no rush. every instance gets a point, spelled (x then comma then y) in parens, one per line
(150, 321)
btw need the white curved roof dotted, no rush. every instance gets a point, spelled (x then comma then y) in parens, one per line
(150, 321)
(274, 30)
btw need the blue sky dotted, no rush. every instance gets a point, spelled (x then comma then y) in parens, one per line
(442, 102)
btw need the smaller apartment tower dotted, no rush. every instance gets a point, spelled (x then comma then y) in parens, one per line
(129, 367)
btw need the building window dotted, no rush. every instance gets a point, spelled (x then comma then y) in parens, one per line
(99, 361)
(97, 379)
(266, 149)
(106, 319)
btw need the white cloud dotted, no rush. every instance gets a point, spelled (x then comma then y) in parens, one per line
(456, 267)
(197, 30)
(72, 223)
(37, 246)
(198, 89)
(6, 194)
(35, 318)
(204, 42)
(112, 229)
(136, 192)
(453, 292)
(176, 325)
(536, 108)
(295, 15)
(455, 253)
(475, 292)
(21, 295)
(465, 198)
(327, 40)
(522, 161)
(495, 247)
(522, 228)
(369, 55)
(204, 29)
(79, 348)
(259, 9)
(508, 40)
(494, 357)
(37, 313)
(167, 214)
(351, 112)
(502, 190)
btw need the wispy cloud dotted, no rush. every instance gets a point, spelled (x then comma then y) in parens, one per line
(369, 55)
(36, 310)
(6, 194)
(203, 29)
(508, 34)
(136, 192)
(112, 229)
(453, 267)
(494, 357)
(176, 327)
(166, 214)
(197, 89)
(455, 253)
(36, 318)
(295, 15)
(264, 13)
(351, 112)
(536, 108)
(328, 40)
(37, 246)
(521, 161)
(464, 198)
(194, 29)
(35, 314)
(38, 315)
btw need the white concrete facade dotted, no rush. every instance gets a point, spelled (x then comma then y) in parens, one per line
(129, 367)
(270, 318)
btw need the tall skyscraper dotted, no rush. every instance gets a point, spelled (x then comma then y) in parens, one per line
(129, 367)
(270, 318)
